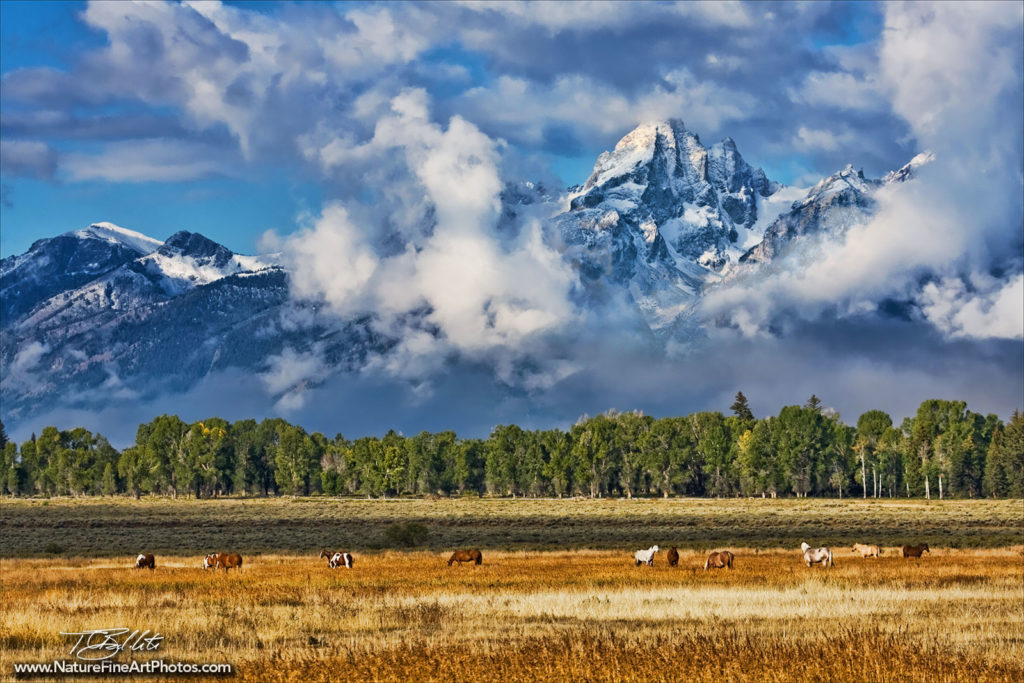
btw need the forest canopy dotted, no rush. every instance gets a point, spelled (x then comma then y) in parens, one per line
(944, 450)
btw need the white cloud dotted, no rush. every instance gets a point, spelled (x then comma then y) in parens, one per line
(28, 158)
(841, 90)
(26, 359)
(486, 297)
(815, 139)
(949, 73)
(597, 110)
(998, 312)
(140, 161)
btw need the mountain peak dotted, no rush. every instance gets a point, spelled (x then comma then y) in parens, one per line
(184, 243)
(115, 234)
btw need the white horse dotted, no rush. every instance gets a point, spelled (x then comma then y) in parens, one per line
(817, 555)
(646, 556)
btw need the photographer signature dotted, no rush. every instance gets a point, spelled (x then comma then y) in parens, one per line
(103, 643)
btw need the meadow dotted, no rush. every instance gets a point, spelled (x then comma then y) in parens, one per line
(541, 607)
(106, 527)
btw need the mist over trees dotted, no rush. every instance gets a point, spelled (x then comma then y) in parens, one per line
(945, 450)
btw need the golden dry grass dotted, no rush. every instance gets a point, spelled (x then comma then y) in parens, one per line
(955, 615)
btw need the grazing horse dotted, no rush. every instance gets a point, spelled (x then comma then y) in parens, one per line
(718, 560)
(817, 555)
(473, 555)
(145, 561)
(335, 560)
(646, 556)
(915, 550)
(866, 550)
(210, 561)
(227, 561)
(673, 557)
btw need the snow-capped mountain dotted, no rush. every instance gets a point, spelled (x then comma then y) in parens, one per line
(662, 216)
(105, 311)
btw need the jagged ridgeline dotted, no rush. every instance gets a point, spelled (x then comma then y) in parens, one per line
(105, 313)
(945, 450)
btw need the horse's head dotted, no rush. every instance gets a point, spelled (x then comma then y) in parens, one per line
(804, 547)
(654, 549)
(924, 547)
(140, 561)
(210, 561)
(323, 554)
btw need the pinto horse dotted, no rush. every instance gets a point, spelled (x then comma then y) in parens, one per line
(817, 555)
(145, 561)
(473, 555)
(673, 557)
(866, 550)
(646, 556)
(335, 560)
(210, 561)
(718, 560)
(915, 550)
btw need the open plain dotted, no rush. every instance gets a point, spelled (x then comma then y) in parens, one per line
(545, 605)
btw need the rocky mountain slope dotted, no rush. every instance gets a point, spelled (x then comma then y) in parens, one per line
(108, 312)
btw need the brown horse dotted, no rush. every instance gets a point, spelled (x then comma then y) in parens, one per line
(228, 561)
(461, 556)
(145, 561)
(866, 550)
(915, 550)
(718, 560)
(673, 557)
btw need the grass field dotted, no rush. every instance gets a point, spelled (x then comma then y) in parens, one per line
(540, 608)
(546, 616)
(118, 526)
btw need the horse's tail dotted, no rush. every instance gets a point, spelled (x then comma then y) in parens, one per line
(830, 562)
(729, 557)
(707, 562)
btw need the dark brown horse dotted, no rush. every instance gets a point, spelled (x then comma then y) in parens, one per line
(915, 550)
(673, 557)
(145, 561)
(228, 561)
(461, 556)
(718, 560)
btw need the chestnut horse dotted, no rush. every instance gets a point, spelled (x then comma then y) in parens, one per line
(225, 560)
(335, 560)
(461, 556)
(145, 561)
(718, 560)
(866, 550)
(673, 557)
(915, 550)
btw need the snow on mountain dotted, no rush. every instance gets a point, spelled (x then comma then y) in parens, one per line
(662, 216)
(115, 234)
(188, 259)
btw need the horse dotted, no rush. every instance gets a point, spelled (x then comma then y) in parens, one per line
(673, 557)
(915, 550)
(228, 561)
(335, 560)
(145, 561)
(718, 560)
(817, 555)
(646, 556)
(210, 561)
(866, 550)
(473, 555)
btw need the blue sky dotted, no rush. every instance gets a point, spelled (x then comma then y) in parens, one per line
(102, 120)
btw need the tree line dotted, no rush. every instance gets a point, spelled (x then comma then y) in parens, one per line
(806, 450)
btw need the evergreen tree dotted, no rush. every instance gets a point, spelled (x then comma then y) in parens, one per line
(741, 409)
(813, 403)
